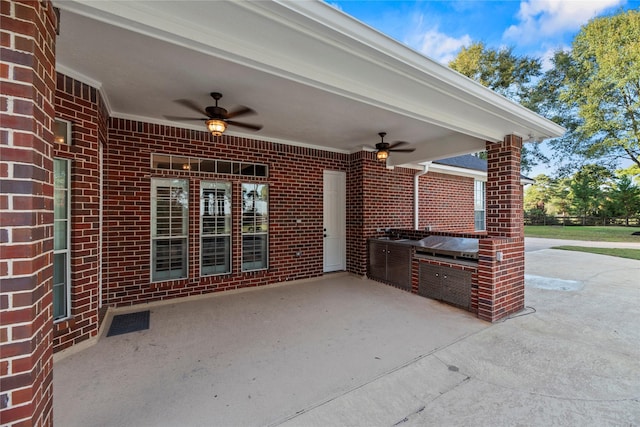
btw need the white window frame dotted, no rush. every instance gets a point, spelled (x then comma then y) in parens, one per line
(68, 132)
(210, 206)
(179, 194)
(67, 238)
(479, 204)
(255, 227)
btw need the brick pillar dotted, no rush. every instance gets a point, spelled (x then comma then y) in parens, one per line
(501, 255)
(27, 71)
(505, 217)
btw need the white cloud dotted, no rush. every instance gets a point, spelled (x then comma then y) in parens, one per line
(440, 46)
(544, 18)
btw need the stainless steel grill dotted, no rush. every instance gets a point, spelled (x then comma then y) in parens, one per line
(453, 247)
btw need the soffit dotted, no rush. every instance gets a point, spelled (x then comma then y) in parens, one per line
(314, 75)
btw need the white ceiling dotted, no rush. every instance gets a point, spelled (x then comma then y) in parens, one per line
(314, 75)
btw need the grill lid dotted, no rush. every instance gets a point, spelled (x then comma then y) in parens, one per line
(451, 246)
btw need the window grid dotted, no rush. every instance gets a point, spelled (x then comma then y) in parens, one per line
(62, 239)
(62, 132)
(169, 217)
(197, 164)
(255, 226)
(479, 195)
(215, 228)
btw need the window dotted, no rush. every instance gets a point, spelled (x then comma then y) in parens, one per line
(169, 224)
(479, 205)
(62, 132)
(61, 240)
(255, 226)
(196, 164)
(215, 228)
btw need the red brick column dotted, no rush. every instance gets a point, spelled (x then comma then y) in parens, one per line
(505, 217)
(26, 211)
(81, 105)
(501, 255)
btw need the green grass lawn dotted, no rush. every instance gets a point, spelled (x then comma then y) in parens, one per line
(621, 253)
(576, 232)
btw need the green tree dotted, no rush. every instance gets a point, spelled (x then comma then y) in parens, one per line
(587, 190)
(548, 196)
(624, 199)
(507, 74)
(500, 70)
(561, 203)
(594, 91)
(538, 195)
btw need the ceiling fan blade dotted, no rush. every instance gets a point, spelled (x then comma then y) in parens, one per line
(244, 125)
(241, 111)
(403, 150)
(185, 118)
(191, 105)
(397, 144)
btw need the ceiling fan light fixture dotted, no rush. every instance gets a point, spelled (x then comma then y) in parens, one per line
(216, 127)
(382, 155)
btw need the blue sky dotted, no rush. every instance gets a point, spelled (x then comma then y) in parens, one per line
(440, 28)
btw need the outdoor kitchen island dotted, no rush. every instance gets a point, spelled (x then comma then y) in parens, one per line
(440, 267)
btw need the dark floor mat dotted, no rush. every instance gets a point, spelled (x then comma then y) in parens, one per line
(131, 322)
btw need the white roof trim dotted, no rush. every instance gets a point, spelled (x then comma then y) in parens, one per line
(453, 170)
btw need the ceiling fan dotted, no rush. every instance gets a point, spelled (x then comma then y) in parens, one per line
(384, 148)
(217, 118)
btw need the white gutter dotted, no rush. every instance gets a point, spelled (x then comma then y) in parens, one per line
(416, 194)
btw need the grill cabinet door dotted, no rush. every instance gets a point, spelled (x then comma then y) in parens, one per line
(445, 284)
(456, 287)
(399, 266)
(377, 260)
(429, 284)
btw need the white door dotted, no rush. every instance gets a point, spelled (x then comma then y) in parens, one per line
(335, 221)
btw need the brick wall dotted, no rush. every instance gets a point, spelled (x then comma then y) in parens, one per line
(26, 211)
(81, 105)
(295, 192)
(446, 202)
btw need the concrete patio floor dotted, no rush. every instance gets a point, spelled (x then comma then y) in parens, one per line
(343, 351)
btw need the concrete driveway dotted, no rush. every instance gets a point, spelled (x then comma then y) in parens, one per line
(342, 351)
